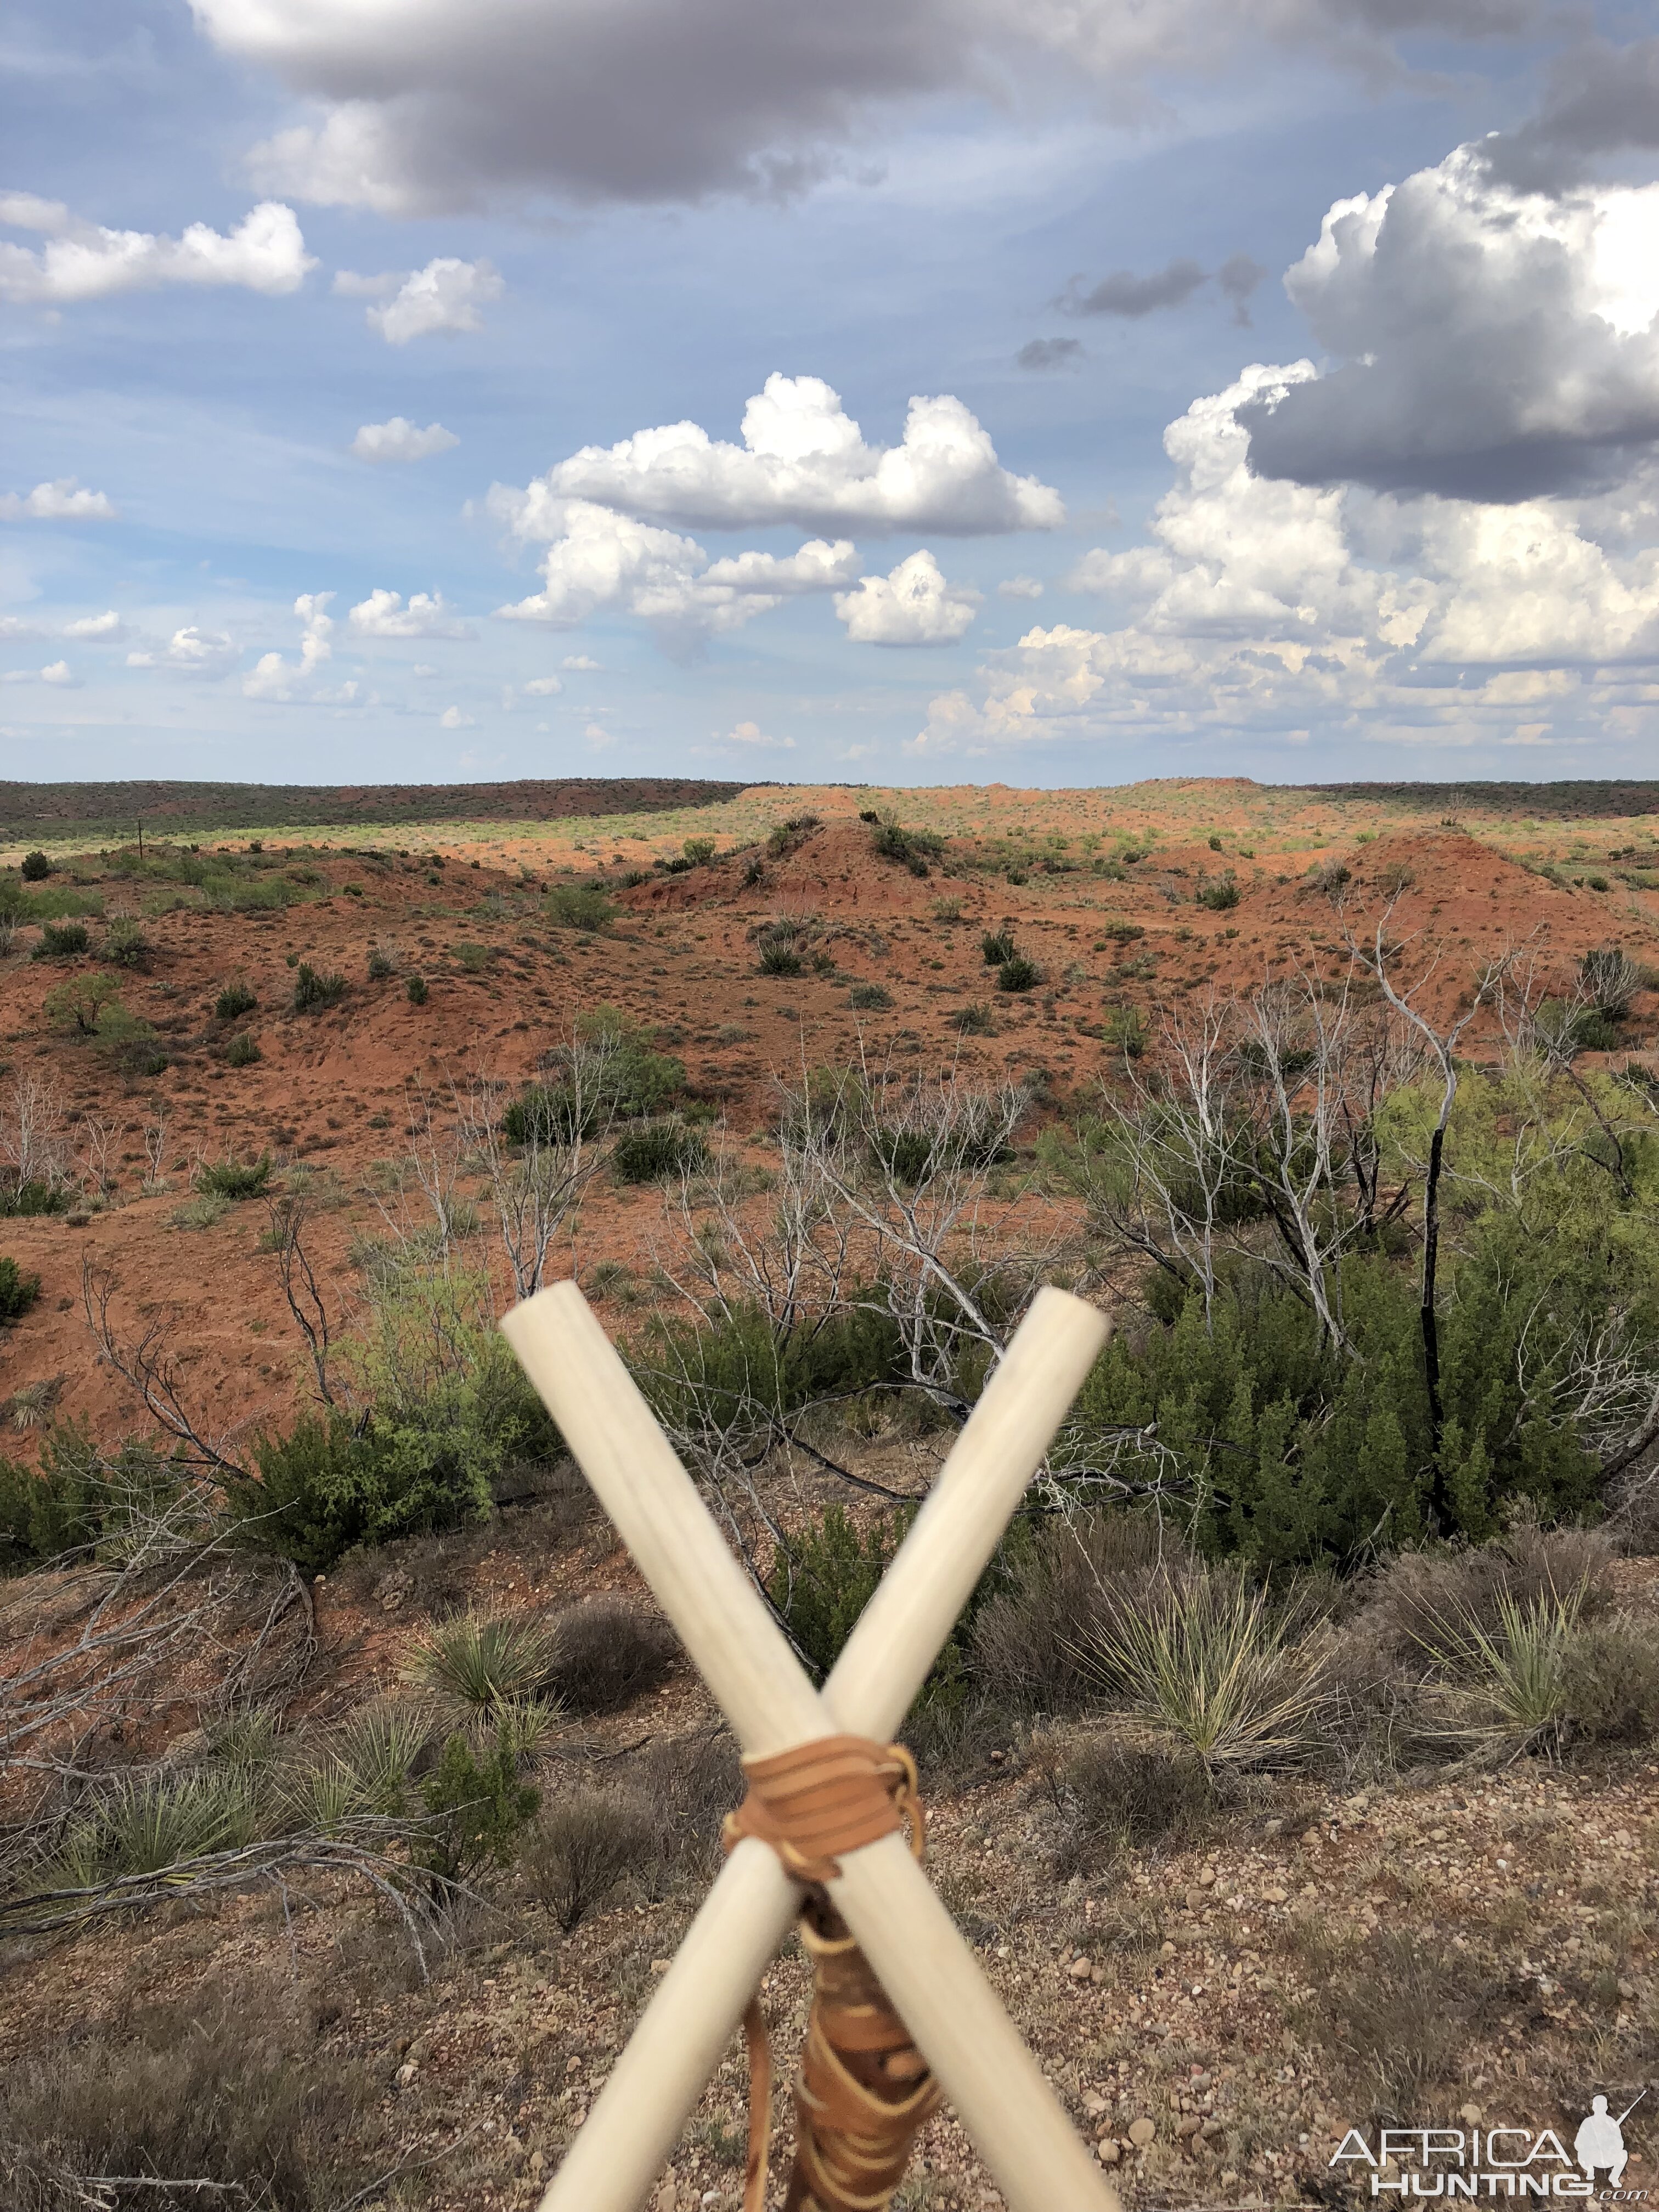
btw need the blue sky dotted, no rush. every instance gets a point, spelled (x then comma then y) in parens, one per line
(331, 466)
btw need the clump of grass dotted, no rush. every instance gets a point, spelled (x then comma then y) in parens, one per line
(870, 998)
(1508, 1687)
(779, 959)
(233, 1002)
(416, 991)
(384, 960)
(1220, 894)
(996, 947)
(578, 906)
(1018, 974)
(473, 959)
(973, 1019)
(1209, 1662)
(234, 1179)
(1114, 1796)
(242, 1050)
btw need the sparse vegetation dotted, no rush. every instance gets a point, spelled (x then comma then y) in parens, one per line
(870, 998)
(62, 940)
(233, 1001)
(659, 1151)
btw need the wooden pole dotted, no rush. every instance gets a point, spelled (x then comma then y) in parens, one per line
(650, 2091)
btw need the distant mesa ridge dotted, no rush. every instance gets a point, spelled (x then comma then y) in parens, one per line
(54, 807)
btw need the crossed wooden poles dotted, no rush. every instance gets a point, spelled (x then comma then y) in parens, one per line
(929, 1973)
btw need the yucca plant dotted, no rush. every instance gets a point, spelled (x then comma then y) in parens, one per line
(155, 1821)
(1511, 1686)
(366, 1768)
(485, 1657)
(1210, 1662)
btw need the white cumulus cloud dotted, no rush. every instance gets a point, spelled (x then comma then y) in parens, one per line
(803, 462)
(94, 627)
(1492, 343)
(446, 295)
(1268, 606)
(913, 604)
(191, 651)
(544, 687)
(1019, 587)
(272, 677)
(453, 719)
(83, 260)
(599, 558)
(751, 733)
(383, 614)
(400, 440)
(582, 663)
(64, 500)
(59, 672)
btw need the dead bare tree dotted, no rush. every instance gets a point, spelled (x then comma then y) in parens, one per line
(289, 1216)
(34, 1147)
(150, 1365)
(1381, 958)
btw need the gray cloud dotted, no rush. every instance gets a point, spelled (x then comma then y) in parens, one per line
(1124, 293)
(1050, 353)
(426, 109)
(1492, 345)
(1238, 278)
(1598, 99)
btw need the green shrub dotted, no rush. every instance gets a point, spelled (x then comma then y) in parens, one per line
(313, 992)
(234, 1179)
(578, 906)
(997, 945)
(36, 867)
(1122, 932)
(699, 851)
(382, 963)
(1125, 1031)
(329, 1484)
(776, 959)
(18, 1291)
(415, 990)
(477, 1810)
(474, 958)
(25, 1202)
(1215, 844)
(126, 944)
(974, 1019)
(788, 836)
(233, 1002)
(822, 1581)
(1018, 974)
(655, 1153)
(242, 1050)
(870, 998)
(914, 848)
(62, 940)
(1220, 894)
(83, 1003)
(1612, 979)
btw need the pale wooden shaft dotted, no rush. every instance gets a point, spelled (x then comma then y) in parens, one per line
(731, 1637)
(736, 1646)
(652, 2088)
(995, 2085)
(920, 1599)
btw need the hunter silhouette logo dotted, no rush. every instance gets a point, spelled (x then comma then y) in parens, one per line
(1600, 2140)
(1497, 2161)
